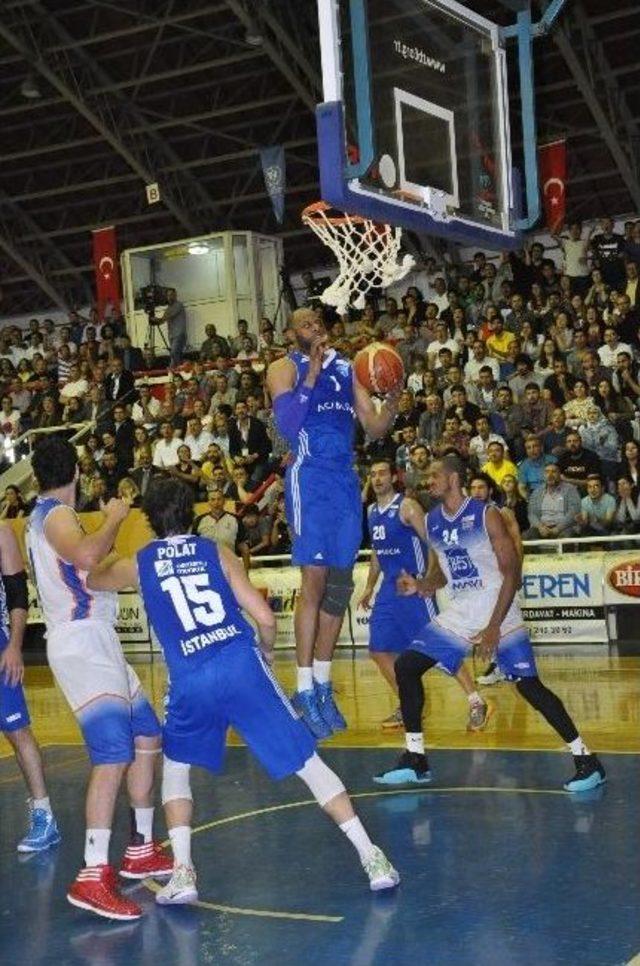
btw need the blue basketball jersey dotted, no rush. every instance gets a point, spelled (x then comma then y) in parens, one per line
(464, 549)
(189, 602)
(397, 545)
(327, 434)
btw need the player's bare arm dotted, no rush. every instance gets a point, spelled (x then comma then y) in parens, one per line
(375, 423)
(114, 573)
(250, 599)
(11, 564)
(372, 580)
(71, 543)
(514, 530)
(511, 570)
(433, 579)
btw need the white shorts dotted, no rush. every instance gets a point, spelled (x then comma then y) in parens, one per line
(103, 691)
(466, 618)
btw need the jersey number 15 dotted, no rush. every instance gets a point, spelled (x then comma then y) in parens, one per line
(194, 601)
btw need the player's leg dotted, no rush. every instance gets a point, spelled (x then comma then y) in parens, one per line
(331, 795)
(143, 856)
(15, 724)
(259, 711)
(516, 660)
(479, 710)
(306, 618)
(177, 800)
(333, 607)
(387, 639)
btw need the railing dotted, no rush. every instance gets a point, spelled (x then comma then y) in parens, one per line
(20, 473)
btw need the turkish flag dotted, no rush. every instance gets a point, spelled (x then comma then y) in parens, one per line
(105, 263)
(553, 179)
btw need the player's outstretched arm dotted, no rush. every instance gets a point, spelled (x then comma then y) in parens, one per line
(511, 570)
(114, 573)
(73, 545)
(250, 600)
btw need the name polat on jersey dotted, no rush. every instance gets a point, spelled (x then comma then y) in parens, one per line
(166, 554)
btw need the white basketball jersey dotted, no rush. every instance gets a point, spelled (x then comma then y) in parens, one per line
(62, 588)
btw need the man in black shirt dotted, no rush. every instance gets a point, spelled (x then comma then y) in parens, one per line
(576, 464)
(607, 249)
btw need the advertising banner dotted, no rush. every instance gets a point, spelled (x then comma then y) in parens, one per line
(562, 598)
(622, 577)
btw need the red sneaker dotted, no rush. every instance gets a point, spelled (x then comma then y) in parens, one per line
(143, 861)
(95, 890)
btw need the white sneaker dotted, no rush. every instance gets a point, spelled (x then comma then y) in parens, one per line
(382, 874)
(180, 889)
(494, 677)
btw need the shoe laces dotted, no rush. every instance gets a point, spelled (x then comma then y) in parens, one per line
(39, 820)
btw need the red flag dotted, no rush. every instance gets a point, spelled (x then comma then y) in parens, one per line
(105, 263)
(553, 179)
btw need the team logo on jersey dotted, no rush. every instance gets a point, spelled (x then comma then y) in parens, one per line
(342, 367)
(468, 522)
(164, 568)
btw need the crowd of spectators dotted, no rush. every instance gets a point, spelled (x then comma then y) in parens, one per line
(525, 365)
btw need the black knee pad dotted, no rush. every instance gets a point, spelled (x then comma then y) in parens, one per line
(338, 590)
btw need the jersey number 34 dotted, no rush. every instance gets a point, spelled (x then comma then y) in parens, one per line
(194, 601)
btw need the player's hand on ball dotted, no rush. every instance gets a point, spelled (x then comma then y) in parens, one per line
(486, 642)
(406, 585)
(116, 509)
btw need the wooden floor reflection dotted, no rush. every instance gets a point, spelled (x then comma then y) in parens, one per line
(601, 692)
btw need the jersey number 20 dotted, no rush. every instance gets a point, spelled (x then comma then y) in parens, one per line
(194, 601)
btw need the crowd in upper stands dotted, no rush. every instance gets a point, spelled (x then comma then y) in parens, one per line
(525, 364)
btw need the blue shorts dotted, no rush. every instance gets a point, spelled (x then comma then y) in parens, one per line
(324, 511)
(396, 621)
(111, 724)
(514, 655)
(236, 689)
(14, 713)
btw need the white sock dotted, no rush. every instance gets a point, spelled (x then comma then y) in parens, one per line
(474, 698)
(42, 803)
(181, 844)
(305, 679)
(96, 846)
(357, 835)
(321, 671)
(415, 743)
(144, 822)
(578, 747)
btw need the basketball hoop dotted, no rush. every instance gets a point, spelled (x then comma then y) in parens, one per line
(367, 253)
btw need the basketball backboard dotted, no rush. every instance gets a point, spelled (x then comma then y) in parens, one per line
(414, 128)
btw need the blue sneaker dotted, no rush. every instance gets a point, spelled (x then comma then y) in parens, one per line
(306, 704)
(589, 774)
(328, 707)
(410, 769)
(43, 832)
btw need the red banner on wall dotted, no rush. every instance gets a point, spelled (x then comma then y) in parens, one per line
(105, 263)
(553, 180)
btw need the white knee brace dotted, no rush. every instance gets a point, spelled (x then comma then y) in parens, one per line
(175, 780)
(323, 783)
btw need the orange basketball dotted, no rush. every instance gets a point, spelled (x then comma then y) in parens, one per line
(379, 368)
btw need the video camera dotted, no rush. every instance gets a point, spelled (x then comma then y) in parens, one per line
(150, 297)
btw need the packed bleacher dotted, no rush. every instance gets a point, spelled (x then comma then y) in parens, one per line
(525, 364)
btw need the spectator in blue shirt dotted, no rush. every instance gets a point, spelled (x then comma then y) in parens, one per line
(598, 509)
(531, 469)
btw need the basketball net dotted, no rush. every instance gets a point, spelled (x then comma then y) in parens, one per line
(368, 254)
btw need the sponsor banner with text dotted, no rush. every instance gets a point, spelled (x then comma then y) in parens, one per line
(622, 577)
(562, 598)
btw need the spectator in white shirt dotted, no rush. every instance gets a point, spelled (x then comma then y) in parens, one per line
(146, 411)
(479, 444)
(439, 296)
(442, 341)
(76, 384)
(197, 439)
(165, 453)
(9, 418)
(478, 361)
(612, 346)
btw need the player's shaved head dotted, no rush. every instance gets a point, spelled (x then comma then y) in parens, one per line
(453, 464)
(302, 318)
